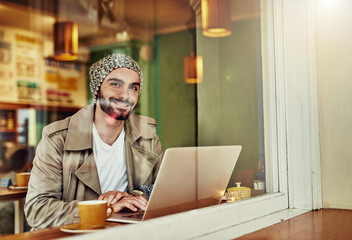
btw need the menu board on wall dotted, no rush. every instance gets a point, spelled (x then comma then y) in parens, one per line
(28, 60)
(7, 83)
(64, 82)
(27, 76)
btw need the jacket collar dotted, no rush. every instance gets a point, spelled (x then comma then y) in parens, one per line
(88, 174)
(79, 134)
(137, 126)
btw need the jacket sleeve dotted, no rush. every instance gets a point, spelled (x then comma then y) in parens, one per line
(158, 149)
(44, 206)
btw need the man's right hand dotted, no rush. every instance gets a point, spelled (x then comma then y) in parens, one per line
(112, 197)
(120, 200)
(131, 202)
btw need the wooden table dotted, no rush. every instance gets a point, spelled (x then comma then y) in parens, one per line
(49, 233)
(17, 196)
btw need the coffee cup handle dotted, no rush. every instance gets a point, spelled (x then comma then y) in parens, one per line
(111, 213)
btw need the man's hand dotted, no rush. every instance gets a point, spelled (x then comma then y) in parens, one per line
(131, 202)
(112, 197)
(120, 200)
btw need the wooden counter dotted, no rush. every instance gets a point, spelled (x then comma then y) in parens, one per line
(51, 233)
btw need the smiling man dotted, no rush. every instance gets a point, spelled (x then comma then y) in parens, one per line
(103, 152)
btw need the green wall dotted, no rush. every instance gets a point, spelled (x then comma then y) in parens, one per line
(177, 99)
(229, 99)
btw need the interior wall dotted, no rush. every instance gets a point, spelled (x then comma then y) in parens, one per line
(230, 97)
(334, 61)
(177, 99)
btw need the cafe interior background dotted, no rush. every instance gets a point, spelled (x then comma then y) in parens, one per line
(203, 87)
(222, 97)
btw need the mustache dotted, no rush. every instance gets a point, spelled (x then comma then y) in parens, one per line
(121, 101)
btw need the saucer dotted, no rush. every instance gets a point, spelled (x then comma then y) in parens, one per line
(76, 228)
(15, 187)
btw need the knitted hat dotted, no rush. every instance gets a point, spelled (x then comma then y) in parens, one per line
(99, 70)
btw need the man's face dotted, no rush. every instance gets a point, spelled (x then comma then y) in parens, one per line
(118, 94)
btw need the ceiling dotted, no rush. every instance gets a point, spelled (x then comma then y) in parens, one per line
(140, 18)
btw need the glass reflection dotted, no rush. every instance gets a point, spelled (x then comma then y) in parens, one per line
(225, 108)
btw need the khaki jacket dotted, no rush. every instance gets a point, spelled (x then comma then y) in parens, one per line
(64, 170)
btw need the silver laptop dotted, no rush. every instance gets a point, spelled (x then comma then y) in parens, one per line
(188, 178)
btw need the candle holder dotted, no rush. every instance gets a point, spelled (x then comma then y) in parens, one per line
(232, 195)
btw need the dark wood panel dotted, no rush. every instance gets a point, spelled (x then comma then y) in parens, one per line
(49, 7)
(15, 106)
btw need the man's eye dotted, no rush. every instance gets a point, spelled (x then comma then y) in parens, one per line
(115, 84)
(135, 88)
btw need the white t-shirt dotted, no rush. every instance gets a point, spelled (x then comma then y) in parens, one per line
(111, 163)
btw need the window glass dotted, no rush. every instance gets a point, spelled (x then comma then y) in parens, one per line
(230, 98)
(219, 102)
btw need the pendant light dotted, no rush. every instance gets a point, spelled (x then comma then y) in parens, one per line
(193, 69)
(193, 64)
(65, 41)
(216, 18)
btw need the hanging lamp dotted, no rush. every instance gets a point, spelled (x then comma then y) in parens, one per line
(65, 41)
(193, 64)
(193, 69)
(216, 18)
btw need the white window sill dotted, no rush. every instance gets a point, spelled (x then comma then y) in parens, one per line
(225, 220)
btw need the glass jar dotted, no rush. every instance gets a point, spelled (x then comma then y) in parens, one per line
(245, 192)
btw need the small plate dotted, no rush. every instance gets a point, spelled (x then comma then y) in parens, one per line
(15, 187)
(76, 228)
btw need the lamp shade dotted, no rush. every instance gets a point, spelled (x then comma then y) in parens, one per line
(65, 41)
(216, 18)
(193, 69)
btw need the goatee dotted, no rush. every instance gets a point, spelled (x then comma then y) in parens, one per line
(118, 114)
